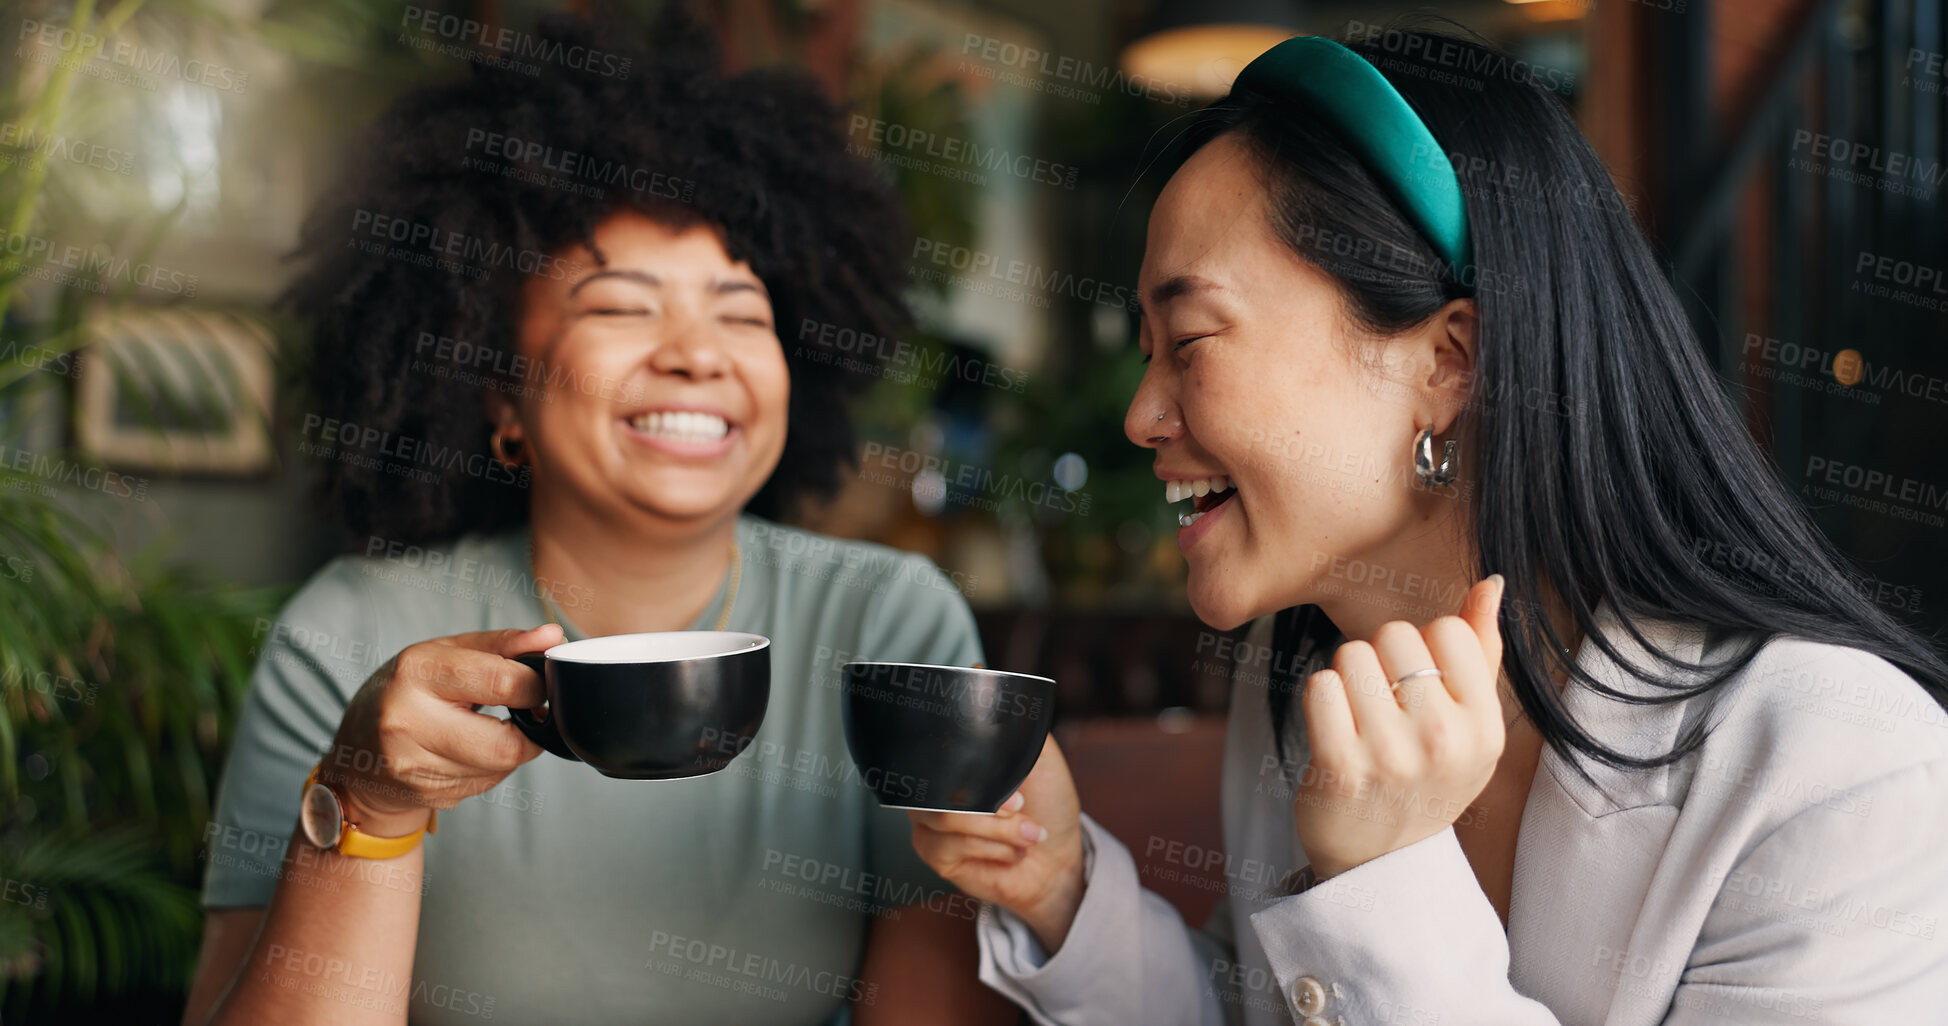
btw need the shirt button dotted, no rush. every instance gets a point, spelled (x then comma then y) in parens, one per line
(1308, 996)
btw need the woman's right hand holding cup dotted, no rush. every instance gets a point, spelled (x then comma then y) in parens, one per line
(412, 738)
(1027, 858)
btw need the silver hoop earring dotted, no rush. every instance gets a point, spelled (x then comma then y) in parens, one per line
(1424, 459)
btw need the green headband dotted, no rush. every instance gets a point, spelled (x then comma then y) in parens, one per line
(1358, 103)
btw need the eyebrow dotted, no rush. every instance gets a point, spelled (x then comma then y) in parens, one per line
(719, 286)
(1174, 288)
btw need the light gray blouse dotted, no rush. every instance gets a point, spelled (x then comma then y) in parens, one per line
(1792, 869)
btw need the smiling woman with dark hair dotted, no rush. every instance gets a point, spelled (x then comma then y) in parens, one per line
(460, 187)
(548, 384)
(1402, 336)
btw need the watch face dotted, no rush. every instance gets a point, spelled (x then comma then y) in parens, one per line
(321, 817)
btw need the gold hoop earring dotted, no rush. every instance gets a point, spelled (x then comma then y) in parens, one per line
(500, 442)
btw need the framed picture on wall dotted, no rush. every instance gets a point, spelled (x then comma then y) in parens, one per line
(178, 390)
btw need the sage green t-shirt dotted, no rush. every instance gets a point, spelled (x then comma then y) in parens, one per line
(563, 896)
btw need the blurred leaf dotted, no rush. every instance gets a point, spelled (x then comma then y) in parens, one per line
(100, 915)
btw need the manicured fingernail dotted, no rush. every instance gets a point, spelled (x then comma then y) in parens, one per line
(1497, 578)
(1014, 803)
(1033, 833)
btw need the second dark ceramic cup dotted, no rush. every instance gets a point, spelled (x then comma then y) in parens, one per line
(945, 738)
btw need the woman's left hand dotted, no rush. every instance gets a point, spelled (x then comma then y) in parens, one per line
(1395, 765)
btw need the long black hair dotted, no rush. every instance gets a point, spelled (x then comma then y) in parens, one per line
(1610, 465)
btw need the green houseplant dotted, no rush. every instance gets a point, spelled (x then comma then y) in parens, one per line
(119, 675)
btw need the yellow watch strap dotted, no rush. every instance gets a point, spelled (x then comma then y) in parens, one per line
(360, 845)
(365, 846)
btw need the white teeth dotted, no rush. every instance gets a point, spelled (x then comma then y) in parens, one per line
(1178, 491)
(1187, 519)
(682, 425)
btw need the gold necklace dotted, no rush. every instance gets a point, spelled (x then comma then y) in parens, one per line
(723, 616)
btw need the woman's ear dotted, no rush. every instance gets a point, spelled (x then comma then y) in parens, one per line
(500, 409)
(1451, 333)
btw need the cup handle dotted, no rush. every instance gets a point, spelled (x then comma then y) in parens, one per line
(541, 732)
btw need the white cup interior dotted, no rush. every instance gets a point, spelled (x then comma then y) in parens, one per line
(961, 669)
(660, 647)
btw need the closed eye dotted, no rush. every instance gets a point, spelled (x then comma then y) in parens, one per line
(1179, 344)
(620, 311)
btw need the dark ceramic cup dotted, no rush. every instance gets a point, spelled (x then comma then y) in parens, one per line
(651, 706)
(945, 738)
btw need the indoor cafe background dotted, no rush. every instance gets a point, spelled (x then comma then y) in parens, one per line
(156, 156)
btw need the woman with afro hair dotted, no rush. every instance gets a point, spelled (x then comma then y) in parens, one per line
(549, 386)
